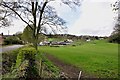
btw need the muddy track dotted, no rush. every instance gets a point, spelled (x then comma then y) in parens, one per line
(68, 70)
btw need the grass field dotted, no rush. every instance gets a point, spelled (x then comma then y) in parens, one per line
(97, 58)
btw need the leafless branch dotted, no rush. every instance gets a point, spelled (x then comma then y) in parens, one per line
(17, 15)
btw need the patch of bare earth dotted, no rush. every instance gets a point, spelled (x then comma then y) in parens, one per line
(67, 70)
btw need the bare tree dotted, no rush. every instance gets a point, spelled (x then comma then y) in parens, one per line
(115, 36)
(38, 13)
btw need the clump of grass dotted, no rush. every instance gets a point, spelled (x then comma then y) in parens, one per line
(49, 70)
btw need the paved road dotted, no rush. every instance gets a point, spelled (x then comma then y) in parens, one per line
(9, 48)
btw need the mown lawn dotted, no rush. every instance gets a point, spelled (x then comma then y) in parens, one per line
(97, 58)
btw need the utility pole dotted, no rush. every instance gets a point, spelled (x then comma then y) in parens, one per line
(8, 32)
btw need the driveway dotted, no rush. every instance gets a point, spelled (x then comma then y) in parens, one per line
(9, 48)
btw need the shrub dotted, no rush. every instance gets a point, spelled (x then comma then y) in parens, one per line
(114, 38)
(12, 40)
(8, 60)
(27, 54)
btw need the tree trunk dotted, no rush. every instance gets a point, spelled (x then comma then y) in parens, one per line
(35, 44)
(35, 41)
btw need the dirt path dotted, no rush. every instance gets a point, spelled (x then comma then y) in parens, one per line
(68, 70)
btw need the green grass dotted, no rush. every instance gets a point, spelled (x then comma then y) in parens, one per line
(98, 58)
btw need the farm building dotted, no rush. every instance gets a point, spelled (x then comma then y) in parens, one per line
(1, 38)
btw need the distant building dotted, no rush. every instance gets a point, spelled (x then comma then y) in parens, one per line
(101, 38)
(1, 39)
(88, 40)
(69, 40)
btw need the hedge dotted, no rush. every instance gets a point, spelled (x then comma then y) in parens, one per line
(29, 55)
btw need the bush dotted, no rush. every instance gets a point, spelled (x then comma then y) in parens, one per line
(114, 38)
(8, 60)
(26, 54)
(12, 40)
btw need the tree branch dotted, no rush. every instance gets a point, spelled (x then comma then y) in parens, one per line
(40, 18)
(17, 15)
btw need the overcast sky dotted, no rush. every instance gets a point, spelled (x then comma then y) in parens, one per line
(93, 17)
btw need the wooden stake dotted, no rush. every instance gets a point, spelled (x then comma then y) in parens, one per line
(79, 75)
